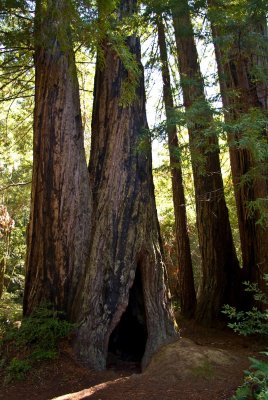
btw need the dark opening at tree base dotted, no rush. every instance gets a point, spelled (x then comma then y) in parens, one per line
(128, 339)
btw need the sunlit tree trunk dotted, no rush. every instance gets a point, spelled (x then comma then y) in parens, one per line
(219, 262)
(243, 70)
(2, 275)
(125, 242)
(185, 272)
(58, 235)
(6, 226)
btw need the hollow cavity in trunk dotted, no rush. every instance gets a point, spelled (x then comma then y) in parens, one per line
(128, 339)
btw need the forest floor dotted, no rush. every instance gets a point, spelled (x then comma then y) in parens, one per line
(204, 364)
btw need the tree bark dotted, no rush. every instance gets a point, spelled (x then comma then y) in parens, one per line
(185, 269)
(241, 92)
(58, 234)
(2, 275)
(219, 262)
(125, 239)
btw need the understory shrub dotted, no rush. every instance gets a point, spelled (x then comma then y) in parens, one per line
(32, 340)
(254, 321)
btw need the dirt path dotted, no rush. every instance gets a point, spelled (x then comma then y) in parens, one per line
(205, 364)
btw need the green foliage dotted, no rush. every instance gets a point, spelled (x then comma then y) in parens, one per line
(17, 369)
(35, 339)
(15, 178)
(119, 38)
(254, 321)
(10, 311)
(106, 7)
(43, 355)
(16, 110)
(130, 83)
(165, 209)
(248, 322)
(16, 120)
(255, 386)
(230, 201)
(85, 63)
(253, 125)
(259, 207)
(42, 330)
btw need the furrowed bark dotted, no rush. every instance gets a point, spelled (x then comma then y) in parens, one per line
(243, 91)
(185, 269)
(125, 227)
(219, 262)
(58, 236)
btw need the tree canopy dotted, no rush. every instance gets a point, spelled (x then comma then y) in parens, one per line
(93, 219)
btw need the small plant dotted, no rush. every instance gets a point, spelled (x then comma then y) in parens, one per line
(17, 369)
(36, 339)
(10, 311)
(42, 355)
(255, 384)
(42, 330)
(254, 321)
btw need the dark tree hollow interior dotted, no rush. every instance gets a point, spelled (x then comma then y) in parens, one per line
(128, 339)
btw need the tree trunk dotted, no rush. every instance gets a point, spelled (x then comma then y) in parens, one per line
(125, 294)
(238, 59)
(2, 275)
(185, 271)
(219, 262)
(58, 235)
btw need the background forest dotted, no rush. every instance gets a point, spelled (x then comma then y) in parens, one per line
(205, 66)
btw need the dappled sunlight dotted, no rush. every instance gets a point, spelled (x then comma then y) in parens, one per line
(87, 393)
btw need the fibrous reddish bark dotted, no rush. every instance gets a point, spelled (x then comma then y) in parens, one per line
(219, 262)
(58, 236)
(125, 234)
(243, 64)
(185, 269)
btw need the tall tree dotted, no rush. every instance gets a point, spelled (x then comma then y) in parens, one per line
(58, 236)
(6, 226)
(127, 278)
(185, 272)
(219, 262)
(243, 70)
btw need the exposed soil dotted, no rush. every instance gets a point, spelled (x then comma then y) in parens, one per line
(205, 364)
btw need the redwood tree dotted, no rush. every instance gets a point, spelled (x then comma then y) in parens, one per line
(185, 269)
(125, 265)
(58, 234)
(219, 262)
(243, 70)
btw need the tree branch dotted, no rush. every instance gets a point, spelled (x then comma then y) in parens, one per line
(2, 189)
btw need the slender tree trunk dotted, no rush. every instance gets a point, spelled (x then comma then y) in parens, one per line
(58, 237)
(238, 60)
(185, 272)
(6, 226)
(219, 262)
(125, 243)
(2, 275)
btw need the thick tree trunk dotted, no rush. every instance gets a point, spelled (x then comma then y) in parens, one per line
(219, 262)
(58, 237)
(238, 61)
(185, 269)
(125, 252)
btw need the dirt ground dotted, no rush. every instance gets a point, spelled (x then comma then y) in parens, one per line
(203, 364)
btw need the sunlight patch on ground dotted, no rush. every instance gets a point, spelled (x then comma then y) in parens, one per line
(85, 393)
